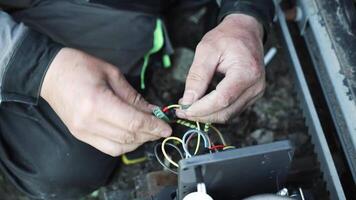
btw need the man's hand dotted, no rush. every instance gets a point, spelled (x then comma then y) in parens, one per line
(98, 105)
(235, 49)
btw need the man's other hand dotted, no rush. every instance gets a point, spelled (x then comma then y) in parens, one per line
(235, 49)
(98, 105)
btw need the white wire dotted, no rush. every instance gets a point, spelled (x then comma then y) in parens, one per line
(185, 137)
(269, 55)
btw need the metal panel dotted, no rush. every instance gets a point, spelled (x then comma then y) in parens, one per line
(318, 138)
(331, 76)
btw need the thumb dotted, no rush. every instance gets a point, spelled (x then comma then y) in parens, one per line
(200, 74)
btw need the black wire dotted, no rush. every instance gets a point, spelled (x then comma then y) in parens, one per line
(159, 159)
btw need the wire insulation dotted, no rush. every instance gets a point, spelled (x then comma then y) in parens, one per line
(198, 141)
(164, 150)
(165, 109)
(159, 159)
(186, 138)
(229, 147)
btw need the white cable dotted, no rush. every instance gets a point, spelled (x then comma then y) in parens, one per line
(269, 55)
(190, 132)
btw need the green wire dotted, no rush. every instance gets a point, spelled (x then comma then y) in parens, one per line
(158, 42)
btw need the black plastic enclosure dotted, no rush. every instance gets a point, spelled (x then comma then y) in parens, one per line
(238, 173)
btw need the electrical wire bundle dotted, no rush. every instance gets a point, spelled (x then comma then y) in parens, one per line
(181, 145)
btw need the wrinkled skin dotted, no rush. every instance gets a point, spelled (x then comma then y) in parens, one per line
(235, 49)
(98, 105)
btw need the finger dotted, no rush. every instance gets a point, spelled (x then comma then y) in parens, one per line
(143, 138)
(125, 91)
(122, 115)
(222, 116)
(111, 132)
(121, 136)
(107, 146)
(201, 72)
(226, 92)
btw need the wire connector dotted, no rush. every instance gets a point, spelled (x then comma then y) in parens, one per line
(160, 114)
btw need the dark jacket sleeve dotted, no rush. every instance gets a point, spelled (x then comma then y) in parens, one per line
(24, 58)
(18, 4)
(262, 10)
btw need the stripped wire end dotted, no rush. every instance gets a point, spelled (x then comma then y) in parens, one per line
(177, 106)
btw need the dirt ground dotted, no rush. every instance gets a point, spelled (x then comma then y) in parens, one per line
(275, 116)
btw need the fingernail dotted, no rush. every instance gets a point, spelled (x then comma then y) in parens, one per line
(188, 98)
(166, 133)
(181, 114)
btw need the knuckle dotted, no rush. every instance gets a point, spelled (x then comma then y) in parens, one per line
(213, 35)
(131, 137)
(114, 72)
(194, 76)
(207, 38)
(225, 99)
(135, 98)
(256, 71)
(206, 43)
(136, 125)
(253, 59)
(127, 138)
(153, 125)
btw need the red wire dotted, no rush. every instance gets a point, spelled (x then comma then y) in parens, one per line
(165, 109)
(215, 147)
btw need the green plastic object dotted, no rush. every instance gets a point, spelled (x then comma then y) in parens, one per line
(160, 114)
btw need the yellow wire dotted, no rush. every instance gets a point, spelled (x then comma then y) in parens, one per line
(164, 150)
(198, 125)
(220, 134)
(229, 147)
(174, 106)
(198, 141)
